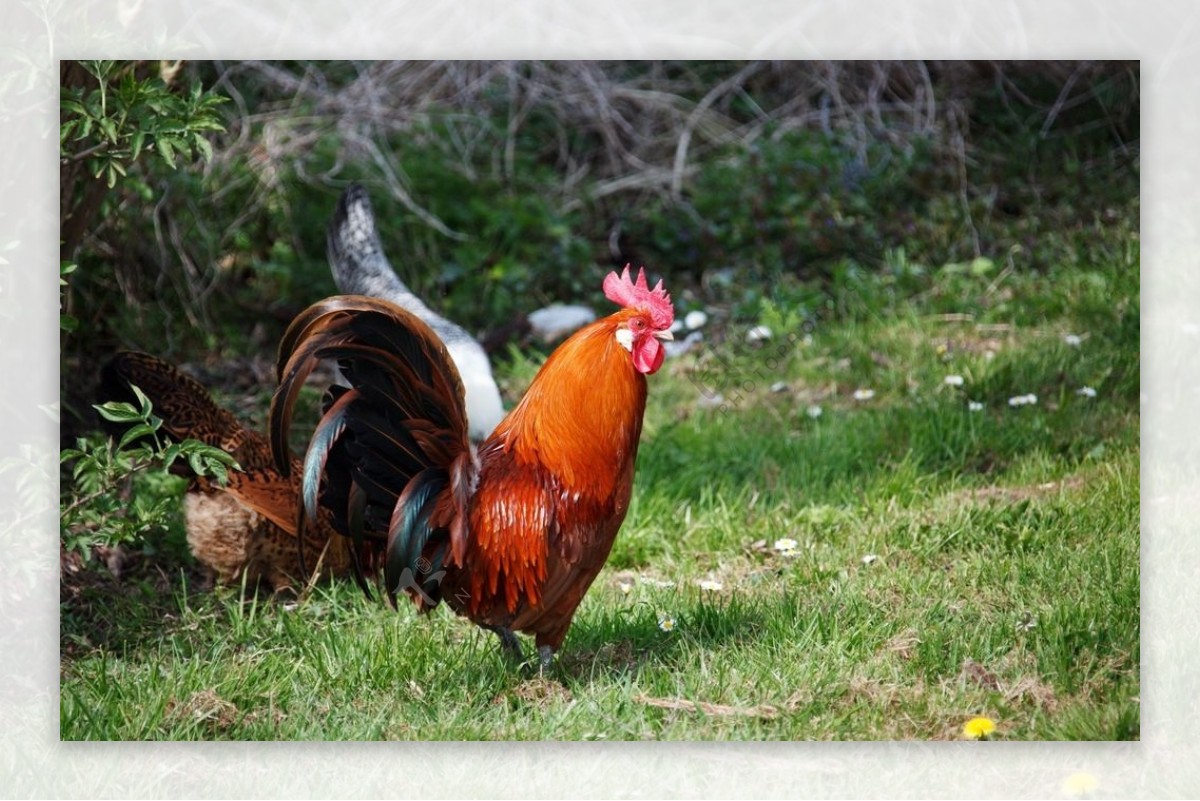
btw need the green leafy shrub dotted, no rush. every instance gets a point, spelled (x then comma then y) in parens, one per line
(92, 510)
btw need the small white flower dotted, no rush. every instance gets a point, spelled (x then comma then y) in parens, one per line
(708, 585)
(813, 411)
(863, 394)
(870, 559)
(695, 319)
(625, 587)
(953, 380)
(974, 406)
(666, 622)
(779, 386)
(1074, 340)
(758, 333)
(1086, 392)
(988, 355)
(787, 547)
(1023, 400)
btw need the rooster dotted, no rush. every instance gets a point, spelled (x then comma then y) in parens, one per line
(247, 527)
(360, 267)
(509, 535)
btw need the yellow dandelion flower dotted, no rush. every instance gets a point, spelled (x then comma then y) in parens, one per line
(1080, 784)
(978, 728)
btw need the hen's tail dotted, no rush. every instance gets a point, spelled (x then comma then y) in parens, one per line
(185, 406)
(390, 457)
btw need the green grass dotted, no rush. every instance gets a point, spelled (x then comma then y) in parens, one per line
(949, 563)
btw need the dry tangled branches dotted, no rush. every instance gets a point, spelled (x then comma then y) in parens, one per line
(613, 127)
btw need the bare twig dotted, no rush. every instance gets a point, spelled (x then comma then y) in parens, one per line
(685, 136)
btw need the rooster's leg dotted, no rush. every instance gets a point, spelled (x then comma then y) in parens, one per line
(545, 658)
(510, 643)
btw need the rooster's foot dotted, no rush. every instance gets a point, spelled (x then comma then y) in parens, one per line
(510, 644)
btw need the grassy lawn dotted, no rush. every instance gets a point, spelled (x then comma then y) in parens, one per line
(828, 540)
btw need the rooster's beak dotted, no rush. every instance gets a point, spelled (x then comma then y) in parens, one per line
(665, 336)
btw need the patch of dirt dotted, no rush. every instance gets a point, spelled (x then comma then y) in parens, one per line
(539, 692)
(765, 711)
(1033, 689)
(203, 707)
(1016, 494)
(273, 715)
(903, 644)
(978, 674)
(1024, 684)
(888, 694)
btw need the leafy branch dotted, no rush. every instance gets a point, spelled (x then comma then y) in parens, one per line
(93, 511)
(111, 124)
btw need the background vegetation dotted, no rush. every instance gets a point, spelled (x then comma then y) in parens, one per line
(892, 224)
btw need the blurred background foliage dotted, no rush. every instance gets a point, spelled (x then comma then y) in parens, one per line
(195, 195)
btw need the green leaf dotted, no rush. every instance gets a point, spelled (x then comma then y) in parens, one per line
(218, 471)
(204, 147)
(65, 131)
(134, 432)
(135, 143)
(166, 151)
(108, 128)
(143, 402)
(118, 412)
(171, 453)
(72, 106)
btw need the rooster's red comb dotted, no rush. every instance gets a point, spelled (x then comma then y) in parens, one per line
(622, 291)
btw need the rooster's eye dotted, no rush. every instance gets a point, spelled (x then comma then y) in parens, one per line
(638, 323)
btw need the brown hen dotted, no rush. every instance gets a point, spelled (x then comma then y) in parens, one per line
(246, 528)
